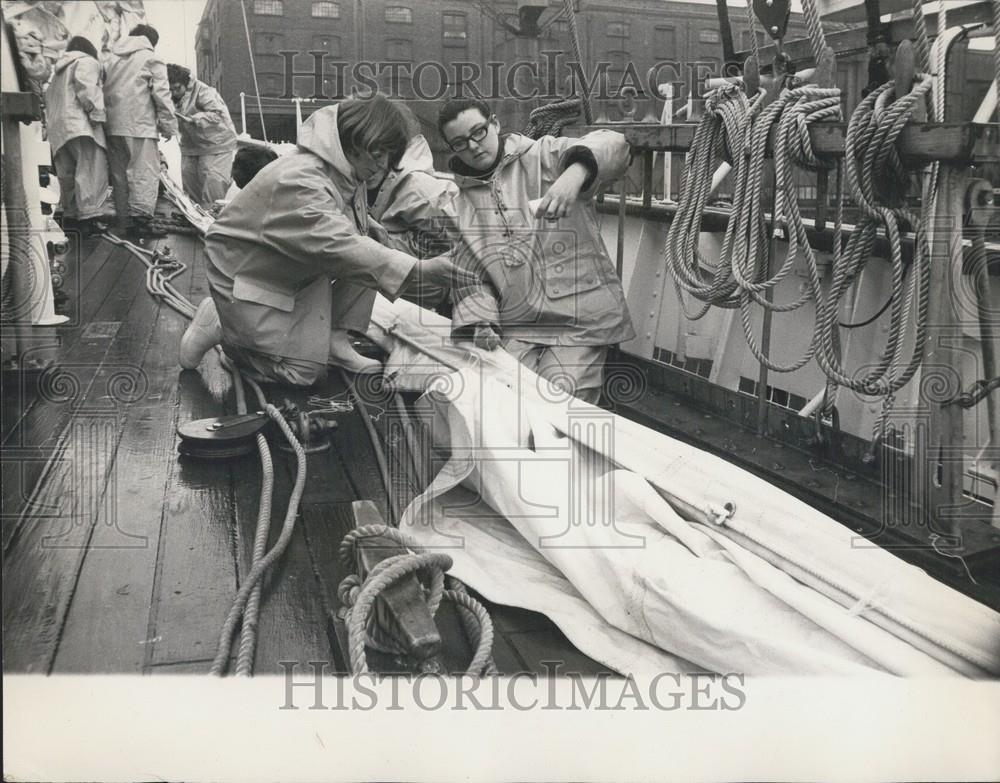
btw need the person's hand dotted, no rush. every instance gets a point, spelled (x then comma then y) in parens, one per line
(167, 135)
(486, 337)
(438, 270)
(560, 197)
(377, 231)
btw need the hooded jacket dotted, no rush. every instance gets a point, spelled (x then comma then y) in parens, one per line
(544, 282)
(210, 130)
(136, 91)
(415, 203)
(272, 253)
(74, 101)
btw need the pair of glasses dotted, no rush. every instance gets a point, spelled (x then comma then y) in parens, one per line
(478, 133)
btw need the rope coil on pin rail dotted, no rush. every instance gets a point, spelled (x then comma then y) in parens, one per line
(358, 598)
(878, 183)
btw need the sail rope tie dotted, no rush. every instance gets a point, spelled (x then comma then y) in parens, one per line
(359, 599)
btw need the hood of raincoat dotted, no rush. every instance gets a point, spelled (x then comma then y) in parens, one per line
(130, 44)
(418, 157)
(319, 135)
(67, 58)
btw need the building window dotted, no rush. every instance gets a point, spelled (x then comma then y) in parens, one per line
(327, 43)
(326, 10)
(268, 7)
(399, 50)
(270, 84)
(454, 28)
(617, 60)
(399, 14)
(664, 43)
(709, 36)
(268, 43)
(618, 29)
(557, 29)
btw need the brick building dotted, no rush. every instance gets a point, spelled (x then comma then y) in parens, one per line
(427, 40)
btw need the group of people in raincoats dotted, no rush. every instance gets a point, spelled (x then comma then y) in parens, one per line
(104, 123)
(508, 240)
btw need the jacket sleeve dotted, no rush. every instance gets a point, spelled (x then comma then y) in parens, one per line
(310, 225)
(604, 152)
(209, 109)
(87, 85)
(474, 299)
(159, 88)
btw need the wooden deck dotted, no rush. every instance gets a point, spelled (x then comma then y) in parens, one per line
(121, 557)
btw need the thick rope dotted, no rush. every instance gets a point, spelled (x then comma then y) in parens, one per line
(817, 41)
(549, 120)
(877, 183)
(260, 567)
(996, 44)
(922, 41)
(359, 599)
(248, 630)
(574, 37)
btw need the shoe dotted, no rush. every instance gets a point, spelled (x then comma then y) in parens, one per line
(204, 333)
(342, 354)
(92, 227)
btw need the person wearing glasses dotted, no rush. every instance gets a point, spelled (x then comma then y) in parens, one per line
(533, 272)
(290, 263)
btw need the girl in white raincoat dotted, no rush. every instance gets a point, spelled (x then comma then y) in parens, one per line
(74, 111)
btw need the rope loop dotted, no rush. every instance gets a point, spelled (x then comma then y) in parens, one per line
(358, 598)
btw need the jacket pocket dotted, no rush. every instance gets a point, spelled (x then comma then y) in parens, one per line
(570, 267)
(268, 294)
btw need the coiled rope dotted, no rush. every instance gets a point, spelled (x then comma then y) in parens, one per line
(878, 184)
(549, 120)
(734, 126)
(359, 599)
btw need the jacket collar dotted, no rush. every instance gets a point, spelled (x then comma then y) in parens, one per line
(132, 43)
(67, 58)
(514, 145)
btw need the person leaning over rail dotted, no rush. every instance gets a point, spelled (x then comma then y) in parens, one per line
(299, 226)
(415, 205)
(534, 274)
(207, 137)
(75, 116)
(137, 98)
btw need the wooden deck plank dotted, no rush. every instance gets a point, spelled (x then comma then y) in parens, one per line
(20, 385)
(324, 526)
(108, 619)
(506, 658)
(196, 568)
(44, 555)
(67, 388)
(551, 646)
